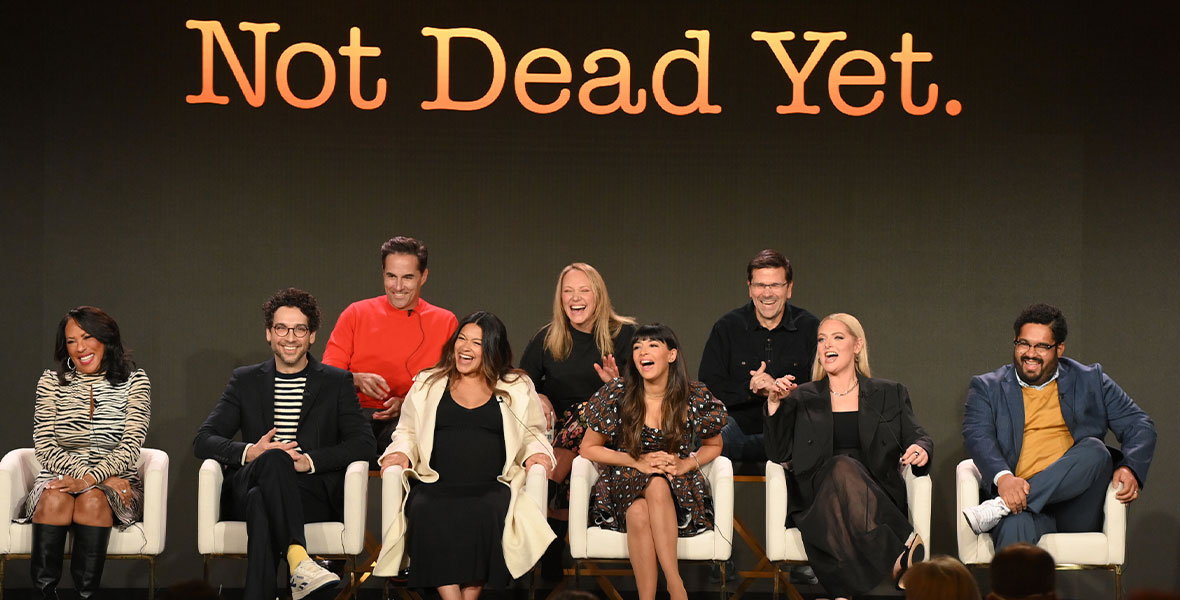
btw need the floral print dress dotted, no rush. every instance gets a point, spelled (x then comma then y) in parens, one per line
(618, 487)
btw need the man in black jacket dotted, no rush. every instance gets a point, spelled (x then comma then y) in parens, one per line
(751, 346)
(308, 426)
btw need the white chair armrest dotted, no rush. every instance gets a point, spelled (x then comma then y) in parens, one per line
(582, 478)
(153, 471)
(536, 486)
(391, 496)
(356, 496)
(776, 511)
(967, 479)
(209, 481)
(720, 475)
(918, 496)
(1115, 528)
(17, 479)
(15, 483)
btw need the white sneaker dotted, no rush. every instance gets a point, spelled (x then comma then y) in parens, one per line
(986, 515)
(309, 577)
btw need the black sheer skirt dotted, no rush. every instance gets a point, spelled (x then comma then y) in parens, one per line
(852, 531)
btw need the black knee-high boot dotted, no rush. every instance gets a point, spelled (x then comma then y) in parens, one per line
(89, 557)
(49, 544)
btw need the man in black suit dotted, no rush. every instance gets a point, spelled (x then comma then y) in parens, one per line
(308, 426)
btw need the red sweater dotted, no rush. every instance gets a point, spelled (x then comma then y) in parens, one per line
(371, 336)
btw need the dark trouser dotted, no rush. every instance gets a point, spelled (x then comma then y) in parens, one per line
(382, 432)
(1066, 497)
(739, 446)
(263, 494)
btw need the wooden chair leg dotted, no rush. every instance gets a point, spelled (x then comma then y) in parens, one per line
(724, 583)
(151, 578)
(1118, 582)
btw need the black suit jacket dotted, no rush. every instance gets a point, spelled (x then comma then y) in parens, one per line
(332, 430)
(800, 433)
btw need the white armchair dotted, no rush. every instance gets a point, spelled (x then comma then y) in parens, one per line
(141, 541)
(334, 539)
(1071, 551)
(785, 545)
(589, 542)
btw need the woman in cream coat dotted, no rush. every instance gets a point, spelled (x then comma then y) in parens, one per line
(470, 429)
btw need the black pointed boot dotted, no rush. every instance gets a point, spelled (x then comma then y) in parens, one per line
(88, 559)
(49, 545)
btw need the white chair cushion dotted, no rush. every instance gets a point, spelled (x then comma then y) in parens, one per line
(590, 542)
(20, 467)
(787, 544)
(1107, 547)
(215, 536)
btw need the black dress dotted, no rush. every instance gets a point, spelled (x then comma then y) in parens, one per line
(569, 383)
(618, 487)
(846, 495)
(456, 524)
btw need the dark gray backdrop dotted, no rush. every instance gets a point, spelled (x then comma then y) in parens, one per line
(1057, 183)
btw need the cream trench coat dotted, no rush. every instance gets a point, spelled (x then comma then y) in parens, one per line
(526, 531)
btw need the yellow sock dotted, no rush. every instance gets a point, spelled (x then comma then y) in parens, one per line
(295, 555)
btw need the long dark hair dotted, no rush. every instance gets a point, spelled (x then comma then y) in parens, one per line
(496, 363)
(673, 421)
(116, 360)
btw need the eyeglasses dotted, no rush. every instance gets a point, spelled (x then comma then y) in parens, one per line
(299, 330)
(769, 287)
(1024, 345)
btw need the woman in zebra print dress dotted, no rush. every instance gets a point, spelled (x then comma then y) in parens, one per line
(88, 426)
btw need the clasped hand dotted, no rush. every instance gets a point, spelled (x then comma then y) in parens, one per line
(663, 462)
(267, 442)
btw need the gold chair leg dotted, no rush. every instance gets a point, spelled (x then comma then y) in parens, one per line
(1118, 582)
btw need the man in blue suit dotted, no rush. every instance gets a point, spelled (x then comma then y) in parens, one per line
(1035, 429)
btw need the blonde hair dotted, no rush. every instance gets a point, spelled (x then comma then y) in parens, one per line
(940, 578)
(858, 332)
(607, 322)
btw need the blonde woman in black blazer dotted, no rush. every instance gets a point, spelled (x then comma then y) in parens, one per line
(844, 438)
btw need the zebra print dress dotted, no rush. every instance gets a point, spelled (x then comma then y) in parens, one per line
(70, 440)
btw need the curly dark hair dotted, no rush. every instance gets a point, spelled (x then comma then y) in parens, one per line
(116, 360)
(770, 259)
(1043, 314)
(296, 298)
(405, 245)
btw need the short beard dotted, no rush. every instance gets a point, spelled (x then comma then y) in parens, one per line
(1020, 371)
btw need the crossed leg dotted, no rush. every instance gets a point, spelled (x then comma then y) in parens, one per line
(651, 540)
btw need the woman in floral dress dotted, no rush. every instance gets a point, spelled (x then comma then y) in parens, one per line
(641, 431)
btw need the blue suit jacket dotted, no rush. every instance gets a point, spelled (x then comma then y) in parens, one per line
(1091, 403)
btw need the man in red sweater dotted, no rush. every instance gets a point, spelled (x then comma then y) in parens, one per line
(385, 341)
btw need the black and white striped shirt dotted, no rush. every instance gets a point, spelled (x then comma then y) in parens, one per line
(288, 403)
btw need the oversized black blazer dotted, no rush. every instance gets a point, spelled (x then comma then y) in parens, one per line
(799, 436)
(332, 430)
